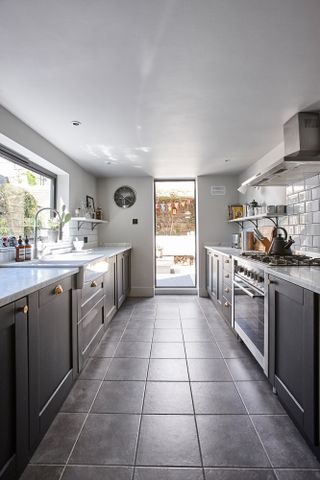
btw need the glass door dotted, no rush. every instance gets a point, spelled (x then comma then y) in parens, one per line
(175, 234)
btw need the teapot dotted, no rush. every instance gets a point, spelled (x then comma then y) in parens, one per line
(280, 246)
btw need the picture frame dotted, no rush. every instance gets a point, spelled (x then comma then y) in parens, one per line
(90, 203)
(235, 211)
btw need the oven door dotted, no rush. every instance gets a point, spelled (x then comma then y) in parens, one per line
(249, 314)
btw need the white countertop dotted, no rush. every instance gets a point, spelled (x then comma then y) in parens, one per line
(306, 277)
(16, 282)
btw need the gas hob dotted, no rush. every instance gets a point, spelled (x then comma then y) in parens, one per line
(278, 261)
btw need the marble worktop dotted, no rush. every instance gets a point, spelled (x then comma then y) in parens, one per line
(17, 283)
(306, 277)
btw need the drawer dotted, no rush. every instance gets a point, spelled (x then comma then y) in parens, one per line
(52, 291)
(227, 264)
(91, 289)
(98, 295)
(226, 309)
(90, 330)
(227, 292)
(227, 277)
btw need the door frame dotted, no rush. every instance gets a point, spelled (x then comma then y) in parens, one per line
(176, 290)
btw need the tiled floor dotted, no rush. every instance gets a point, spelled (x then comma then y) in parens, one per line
(170, 394)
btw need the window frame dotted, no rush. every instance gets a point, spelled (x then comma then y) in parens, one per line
(15, 157)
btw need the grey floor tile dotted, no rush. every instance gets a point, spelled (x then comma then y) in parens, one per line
(167, 335)
(105, 349)
(259, 399)
(221, 335)
(133, 350)
(167, 350)
(95, 369)
(119, 397)
(138, 335)
(160, 441)
(127, 369)
(97, 473)
(59, 439)
(141, 323)
(167, 323)
(230, 441)
(144, 473)
(284, 444)
(197, 335)
(168, 397)
(298, 475)
(239, 474)
(168, 369)
(168, 317)
(202, 350)
(216, 398)
(208, 369)
(245, 369)
(81, 396)
(37, 472)
(233, 349)
(107, 440)
(193, 323)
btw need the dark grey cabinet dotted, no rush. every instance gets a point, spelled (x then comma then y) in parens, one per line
(110, 290)
(219, 282)
(123, 277)
(52, 345)
(293, 346)
(14, 389)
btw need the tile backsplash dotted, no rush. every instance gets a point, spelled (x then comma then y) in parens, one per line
(303, 220)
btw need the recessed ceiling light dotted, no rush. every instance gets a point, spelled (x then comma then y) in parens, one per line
(227, 160)
(76, 123)
(137, 166)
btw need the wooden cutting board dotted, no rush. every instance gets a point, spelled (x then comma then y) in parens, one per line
(266, 232)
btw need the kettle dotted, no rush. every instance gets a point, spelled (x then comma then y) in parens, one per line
(280, 246)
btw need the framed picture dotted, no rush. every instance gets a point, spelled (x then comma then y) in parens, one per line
(235, 211)
(90, 203)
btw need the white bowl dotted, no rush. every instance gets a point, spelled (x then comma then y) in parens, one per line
(78, 245)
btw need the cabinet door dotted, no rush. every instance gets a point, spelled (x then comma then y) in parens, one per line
(120, 280)
(126, 273)
(110, 290)
(208, 271)
(52, 353)
(292, 350)
(14, 390)
(215, 276)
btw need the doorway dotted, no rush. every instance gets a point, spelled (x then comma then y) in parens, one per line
(175, 234)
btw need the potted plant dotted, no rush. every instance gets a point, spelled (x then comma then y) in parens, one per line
(54, 224)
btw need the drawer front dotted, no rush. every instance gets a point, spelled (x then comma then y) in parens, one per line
(51, 292)
(90, 330)
(227, 292)
(227, 277)
(226, 309)
(90, 289)
(227, 264)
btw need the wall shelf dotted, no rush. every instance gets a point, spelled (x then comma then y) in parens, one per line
(255, 218)
(94, 221)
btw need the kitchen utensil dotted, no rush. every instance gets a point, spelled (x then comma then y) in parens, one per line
(270, 209)
(281, 209)
(236, 240)
(280, 245)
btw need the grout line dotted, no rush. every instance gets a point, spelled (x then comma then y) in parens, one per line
(192, 400)
(99, 388)
(236, 387)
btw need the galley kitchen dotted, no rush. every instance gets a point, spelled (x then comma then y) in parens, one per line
(160, 240)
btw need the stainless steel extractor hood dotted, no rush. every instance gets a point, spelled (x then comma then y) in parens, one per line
(301, 153)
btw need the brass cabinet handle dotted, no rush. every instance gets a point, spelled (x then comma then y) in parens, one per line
(24, 309)
(226, 304)
(58, 290)
(227, 261)
(227, 290)
(93, 284)
(227, 275)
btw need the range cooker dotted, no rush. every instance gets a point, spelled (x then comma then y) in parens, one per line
(250, 303)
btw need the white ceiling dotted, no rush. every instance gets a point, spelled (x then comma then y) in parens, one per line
(174, 87)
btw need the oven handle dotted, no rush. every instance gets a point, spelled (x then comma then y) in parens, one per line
(245, 290)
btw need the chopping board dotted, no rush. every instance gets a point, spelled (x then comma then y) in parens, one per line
(266, 232)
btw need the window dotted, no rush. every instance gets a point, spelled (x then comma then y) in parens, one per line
(24, 188)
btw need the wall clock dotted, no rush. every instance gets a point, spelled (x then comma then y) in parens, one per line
(124, 196)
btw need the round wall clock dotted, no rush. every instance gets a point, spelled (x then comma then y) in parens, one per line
(124, 196)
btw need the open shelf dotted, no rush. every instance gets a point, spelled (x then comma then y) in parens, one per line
(255, 218)
(94, 221)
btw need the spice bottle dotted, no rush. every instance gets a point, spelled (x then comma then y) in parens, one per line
(20, 249)
(27, 249)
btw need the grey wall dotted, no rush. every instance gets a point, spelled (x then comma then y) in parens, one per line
(213, 227)
(16, 134)
(120, 229)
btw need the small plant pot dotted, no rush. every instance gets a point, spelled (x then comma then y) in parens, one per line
(53, 236)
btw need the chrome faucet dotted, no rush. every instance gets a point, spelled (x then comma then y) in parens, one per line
(36, 227)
